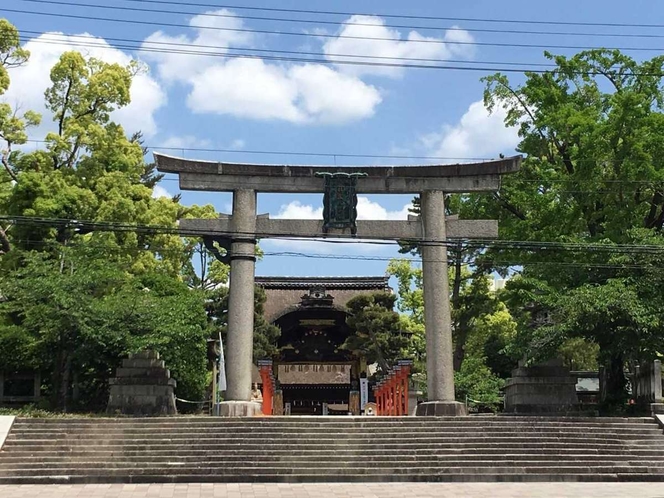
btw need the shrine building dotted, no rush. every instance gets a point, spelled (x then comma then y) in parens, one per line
(316, 376)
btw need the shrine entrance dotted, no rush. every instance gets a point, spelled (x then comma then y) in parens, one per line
(316, 375)
(431, 231)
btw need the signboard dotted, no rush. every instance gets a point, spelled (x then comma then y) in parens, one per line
(364, 393)
(291, 373)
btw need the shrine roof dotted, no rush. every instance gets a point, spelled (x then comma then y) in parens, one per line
(377, 283)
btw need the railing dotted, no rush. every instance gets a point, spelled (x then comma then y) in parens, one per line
(647, 383)
(392, 392)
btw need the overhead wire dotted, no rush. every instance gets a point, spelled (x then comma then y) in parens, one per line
(333, 238)
(96, 248)
(229, 15)
(387, 156)
(102, 251)
(324, 35)
(394, 16)
(89, 38)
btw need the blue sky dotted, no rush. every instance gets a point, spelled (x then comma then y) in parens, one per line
(187, 101)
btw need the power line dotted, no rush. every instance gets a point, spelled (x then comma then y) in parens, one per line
(308, 60)
(326, 35)
(191, 46)
(475, 243)
(344, 23)
(330, 61)
(394, 16)
(309, 154)
(391, 156)
(96, 247)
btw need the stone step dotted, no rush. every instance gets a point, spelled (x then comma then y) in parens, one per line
(316, 478)
(370, 446)
(326, 449)
(397, 463)
(29, 462)
(221, 430)
(298, 420)
(312, 438)
(321, 453)
(335, 469)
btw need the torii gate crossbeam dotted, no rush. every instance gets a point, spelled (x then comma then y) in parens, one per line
(244, 226)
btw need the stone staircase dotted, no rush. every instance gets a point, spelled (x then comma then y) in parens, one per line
(343, 449)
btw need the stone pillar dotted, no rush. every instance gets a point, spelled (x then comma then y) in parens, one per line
(437, 316)
(241, 308)
(354, 403)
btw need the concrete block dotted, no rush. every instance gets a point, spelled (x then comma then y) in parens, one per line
(6, 422)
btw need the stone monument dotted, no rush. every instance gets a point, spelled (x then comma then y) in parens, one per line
(548, 388)
(142, 386)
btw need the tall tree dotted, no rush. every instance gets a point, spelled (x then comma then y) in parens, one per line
(377, 330)
(593, 132)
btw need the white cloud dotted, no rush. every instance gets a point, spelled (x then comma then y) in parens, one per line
(238, 144)
(29, 81)
(160, 191)
(296, 210)
(253, 88)
(390, 46)
(183, 142)
(366, 210)
(478, 134)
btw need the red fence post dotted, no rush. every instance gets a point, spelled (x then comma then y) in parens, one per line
(265, 369)
(405, 374)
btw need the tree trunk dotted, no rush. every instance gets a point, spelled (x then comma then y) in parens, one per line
(5, 245)
(614, 392)
(64, 386)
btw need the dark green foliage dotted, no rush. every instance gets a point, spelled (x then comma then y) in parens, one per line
(77, 317)
(378, 334)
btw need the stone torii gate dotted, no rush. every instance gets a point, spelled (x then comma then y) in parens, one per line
(239, 231)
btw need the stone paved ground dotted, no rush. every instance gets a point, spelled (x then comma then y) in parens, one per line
(474, 490)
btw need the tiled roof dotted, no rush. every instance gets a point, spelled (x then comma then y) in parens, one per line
(374, 283)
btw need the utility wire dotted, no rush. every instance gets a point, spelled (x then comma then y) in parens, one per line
(329, 61)
(324, 35)
(63, 38)
(389, 156)
(377, 240)
(300, 153)
(393, 16)
(309, 60)
(95, 248)
(343, 23)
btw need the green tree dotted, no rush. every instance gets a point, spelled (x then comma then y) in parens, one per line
(592, 129)
(79, 319)
(377, 335)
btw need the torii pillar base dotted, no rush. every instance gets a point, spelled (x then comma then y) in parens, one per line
(240, 409)
(441, 409)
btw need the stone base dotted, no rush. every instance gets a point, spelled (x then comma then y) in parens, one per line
(240, 409)
(656, 409)
(441, 409)
(543, 389)
(142, 387)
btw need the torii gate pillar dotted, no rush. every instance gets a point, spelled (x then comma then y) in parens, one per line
(437, 316)
(239, 342)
